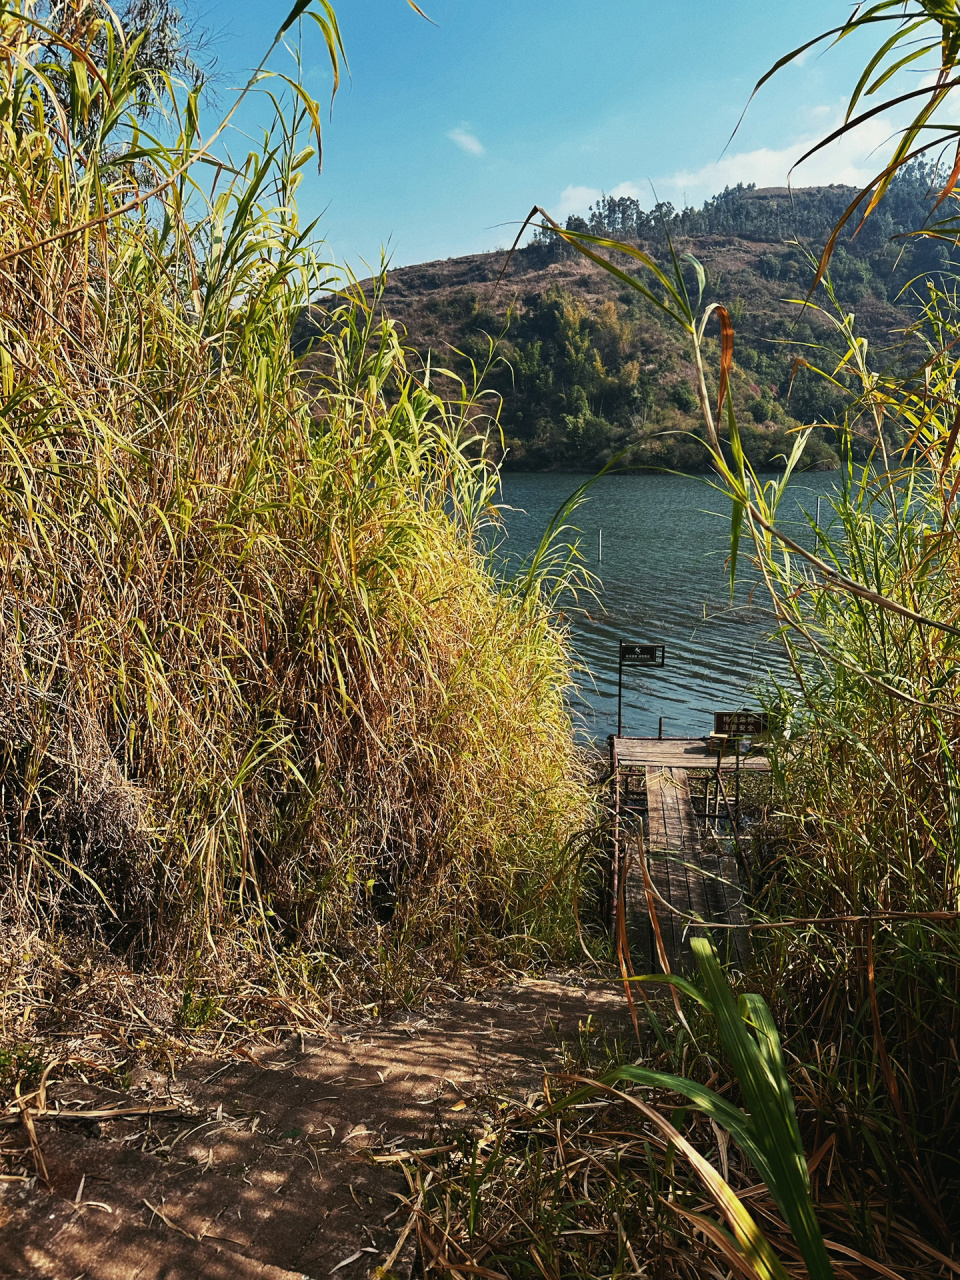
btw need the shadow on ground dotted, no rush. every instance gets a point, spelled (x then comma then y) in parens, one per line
(262, 1166)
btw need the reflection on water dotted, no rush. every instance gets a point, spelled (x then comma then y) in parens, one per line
(663, 580)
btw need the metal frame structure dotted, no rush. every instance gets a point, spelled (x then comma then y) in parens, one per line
(707, 758)
(729, 727)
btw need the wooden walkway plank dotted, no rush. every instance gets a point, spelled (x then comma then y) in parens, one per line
(673, 823)
(682, 753)
(692, 880)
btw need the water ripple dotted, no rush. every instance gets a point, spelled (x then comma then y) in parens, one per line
(664, 581)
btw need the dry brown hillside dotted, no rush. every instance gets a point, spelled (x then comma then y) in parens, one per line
(586, 369)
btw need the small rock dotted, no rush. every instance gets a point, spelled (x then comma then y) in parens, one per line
(144, 1078)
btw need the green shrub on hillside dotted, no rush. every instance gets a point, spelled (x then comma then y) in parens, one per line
(583, 382)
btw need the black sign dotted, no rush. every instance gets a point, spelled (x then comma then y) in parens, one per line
(741, 724)
(635, 655)
(641, 655)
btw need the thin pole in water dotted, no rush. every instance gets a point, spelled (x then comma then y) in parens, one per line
(620, 693)
(818, 513)
(599, 544)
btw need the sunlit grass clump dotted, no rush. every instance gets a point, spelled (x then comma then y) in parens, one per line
(260, 694)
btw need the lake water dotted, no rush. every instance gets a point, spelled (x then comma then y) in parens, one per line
(663, 579)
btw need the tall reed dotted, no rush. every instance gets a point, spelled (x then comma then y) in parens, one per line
(263, 702)
(870, 773)
(855, 913)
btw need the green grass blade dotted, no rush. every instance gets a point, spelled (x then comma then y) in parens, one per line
(763, 1082)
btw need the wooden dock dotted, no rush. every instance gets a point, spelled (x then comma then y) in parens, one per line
(671, 882)
(681, 753)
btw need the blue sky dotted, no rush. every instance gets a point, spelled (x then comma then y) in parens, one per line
(445, 135)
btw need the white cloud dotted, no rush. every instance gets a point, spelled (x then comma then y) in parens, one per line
(628, 189)
(575, 200)
(467, 141)
(853, 160)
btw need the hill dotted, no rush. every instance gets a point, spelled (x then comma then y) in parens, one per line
(585, 368)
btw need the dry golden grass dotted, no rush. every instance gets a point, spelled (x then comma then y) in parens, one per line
(265, 709)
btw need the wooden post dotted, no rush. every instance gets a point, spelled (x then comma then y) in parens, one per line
(615, 861)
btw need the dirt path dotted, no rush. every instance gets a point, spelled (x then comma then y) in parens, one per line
(261, 1167)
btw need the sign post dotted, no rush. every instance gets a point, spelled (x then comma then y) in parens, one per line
(730, 727)
(635, 655)
(741, 724)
